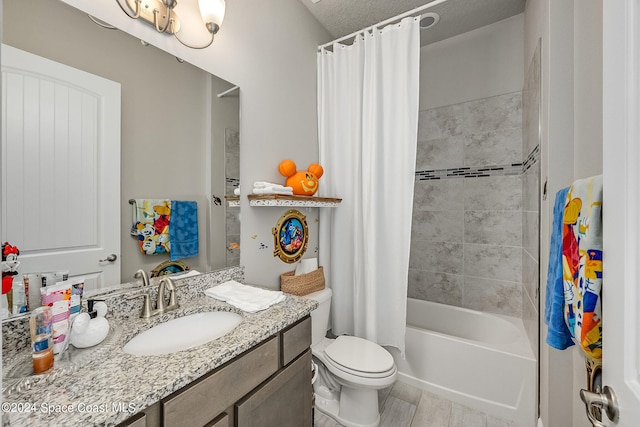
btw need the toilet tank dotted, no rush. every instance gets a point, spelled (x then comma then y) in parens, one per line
(320, 316)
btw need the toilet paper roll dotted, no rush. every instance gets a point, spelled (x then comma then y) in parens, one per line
(306, 266)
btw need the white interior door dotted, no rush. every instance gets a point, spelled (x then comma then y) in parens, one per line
(60, 168)
(621, 210)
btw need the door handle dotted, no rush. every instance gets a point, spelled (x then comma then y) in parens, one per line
(109, 258)
(606, 401)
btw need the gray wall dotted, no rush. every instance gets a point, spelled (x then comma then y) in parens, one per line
(226, 111)
(467, 222)
(587, 84)
(478, 64)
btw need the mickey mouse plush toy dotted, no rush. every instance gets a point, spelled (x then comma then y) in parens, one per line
(10, 265)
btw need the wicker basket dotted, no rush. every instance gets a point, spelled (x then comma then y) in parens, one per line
(303, 284)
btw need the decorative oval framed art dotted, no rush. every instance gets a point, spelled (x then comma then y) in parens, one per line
(169, 267)
(290, 236)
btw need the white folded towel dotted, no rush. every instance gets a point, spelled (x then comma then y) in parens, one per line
(244, 297)
(236, 191)
(263, 184)
(184, 275)
(274, 190)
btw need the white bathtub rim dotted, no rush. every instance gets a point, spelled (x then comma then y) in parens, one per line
(520, 348)
(513, 324)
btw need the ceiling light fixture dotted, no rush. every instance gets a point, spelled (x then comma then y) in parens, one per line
(428, 20)
(165, 15)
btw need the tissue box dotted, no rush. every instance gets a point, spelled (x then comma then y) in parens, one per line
(303, 284)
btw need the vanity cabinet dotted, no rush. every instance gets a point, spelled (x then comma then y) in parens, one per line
(268, 385)
(278, 402)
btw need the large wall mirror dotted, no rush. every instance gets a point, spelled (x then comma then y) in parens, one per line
(178, 131)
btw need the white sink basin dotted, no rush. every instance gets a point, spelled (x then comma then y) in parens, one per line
(182, 333)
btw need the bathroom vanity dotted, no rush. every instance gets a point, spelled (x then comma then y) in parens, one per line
(259, 374)
(269, 385)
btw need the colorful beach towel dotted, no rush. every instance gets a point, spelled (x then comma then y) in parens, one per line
(582, 264)
(151, 225)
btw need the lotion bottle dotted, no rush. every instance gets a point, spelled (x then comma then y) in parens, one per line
(41, 327)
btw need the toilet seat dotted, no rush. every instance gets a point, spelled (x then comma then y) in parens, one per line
(359, 357)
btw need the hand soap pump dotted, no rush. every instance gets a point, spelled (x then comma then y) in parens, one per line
(100, 309)
(90, 328)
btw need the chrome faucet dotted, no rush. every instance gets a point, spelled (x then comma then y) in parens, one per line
(141, 274)
(161, 303)
(146, 303)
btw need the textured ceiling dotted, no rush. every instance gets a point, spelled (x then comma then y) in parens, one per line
(343, 17)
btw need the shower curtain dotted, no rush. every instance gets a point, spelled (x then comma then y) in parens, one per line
(368, 124)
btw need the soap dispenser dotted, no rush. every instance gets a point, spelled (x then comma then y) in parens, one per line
(90, 328)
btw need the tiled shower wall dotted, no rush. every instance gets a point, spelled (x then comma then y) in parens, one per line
(467, 230)
(531, 200)
(232, 181)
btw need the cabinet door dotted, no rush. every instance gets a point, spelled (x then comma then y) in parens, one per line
(283, 401)
(295, 340)
(205, 399)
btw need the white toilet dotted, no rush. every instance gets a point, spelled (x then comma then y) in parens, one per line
(351, 370)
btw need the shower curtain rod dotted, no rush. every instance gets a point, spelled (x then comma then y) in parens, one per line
(385, 22)
(228, 91)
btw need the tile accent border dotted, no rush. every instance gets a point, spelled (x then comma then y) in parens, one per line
(482, 171)
(532, 159)
(234, 182)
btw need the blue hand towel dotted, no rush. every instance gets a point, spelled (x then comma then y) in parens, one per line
(558, 335)
(183, 229)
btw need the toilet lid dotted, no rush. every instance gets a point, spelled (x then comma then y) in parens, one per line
(359, 355)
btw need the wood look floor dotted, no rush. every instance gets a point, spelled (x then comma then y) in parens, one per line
(405, 406)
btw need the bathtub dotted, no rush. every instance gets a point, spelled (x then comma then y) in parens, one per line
(477, 359)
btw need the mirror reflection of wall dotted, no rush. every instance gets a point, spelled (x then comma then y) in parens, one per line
(232, 180)
(168, 125)
(225, 219)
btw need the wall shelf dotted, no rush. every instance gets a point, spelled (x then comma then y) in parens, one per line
(233, 201)
(292, 201)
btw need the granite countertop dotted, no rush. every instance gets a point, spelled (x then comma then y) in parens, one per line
(116, 385)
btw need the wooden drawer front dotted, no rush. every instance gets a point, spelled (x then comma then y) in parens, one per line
(150, 417)
(201, 402)
(284, 401)
(296, 340)
(222, 421)
(138, 420)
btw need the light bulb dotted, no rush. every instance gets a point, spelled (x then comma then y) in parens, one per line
(212, 11)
